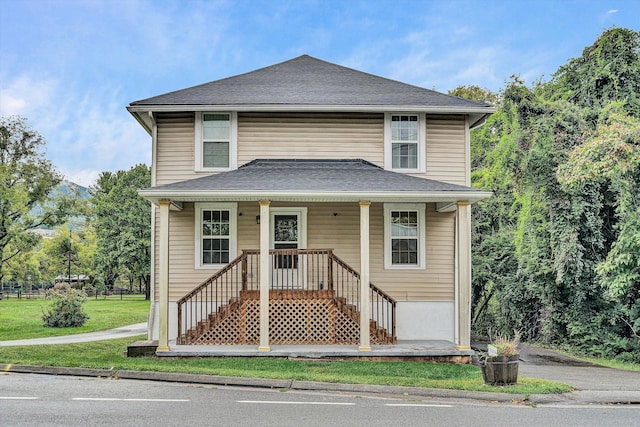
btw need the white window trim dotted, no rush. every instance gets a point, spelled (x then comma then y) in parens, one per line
(422, 232)
(388, 157)
(233, 142)
(233, 232)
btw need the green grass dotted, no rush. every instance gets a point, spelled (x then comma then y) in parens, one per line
(22, 318)
(109, 355)
(611, 363)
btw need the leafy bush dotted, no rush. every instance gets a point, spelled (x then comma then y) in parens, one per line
(66, 309)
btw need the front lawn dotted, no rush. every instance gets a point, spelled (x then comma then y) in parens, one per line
(22, 318)
(109, 355)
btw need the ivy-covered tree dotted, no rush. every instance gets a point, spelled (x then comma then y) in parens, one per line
(122, 223)
(556, 250)
(26, 180)
(610, 160)
(607, 71)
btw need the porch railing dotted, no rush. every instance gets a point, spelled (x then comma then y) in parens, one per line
(290, 269)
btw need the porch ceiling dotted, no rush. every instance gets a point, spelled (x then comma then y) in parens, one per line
(313, 181)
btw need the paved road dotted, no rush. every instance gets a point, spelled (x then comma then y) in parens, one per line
(122, 332)
(594, 384)
(39, 400)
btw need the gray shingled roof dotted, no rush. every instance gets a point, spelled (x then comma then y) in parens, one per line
(309, 178)
(308, 81)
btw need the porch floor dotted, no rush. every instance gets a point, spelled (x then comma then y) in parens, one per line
(433, 350)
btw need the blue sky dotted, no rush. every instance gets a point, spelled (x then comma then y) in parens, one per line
(72, 66)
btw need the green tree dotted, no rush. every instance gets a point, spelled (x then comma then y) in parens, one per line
(556, 250)
(476, 93)
(53, 255)
(123, 226)
(26, 181)
(610, 160)
(608, 70)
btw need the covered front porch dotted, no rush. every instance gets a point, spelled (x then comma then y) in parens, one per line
(246, 305)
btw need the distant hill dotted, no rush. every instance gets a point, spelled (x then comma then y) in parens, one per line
(67, 188)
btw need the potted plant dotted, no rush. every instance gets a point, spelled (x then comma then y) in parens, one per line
(500, 365)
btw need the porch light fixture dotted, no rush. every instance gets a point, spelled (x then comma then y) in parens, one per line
(257, 219)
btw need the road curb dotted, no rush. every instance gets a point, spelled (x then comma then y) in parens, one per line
(263, 383)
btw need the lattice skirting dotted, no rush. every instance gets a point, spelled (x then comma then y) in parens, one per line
(295, 317)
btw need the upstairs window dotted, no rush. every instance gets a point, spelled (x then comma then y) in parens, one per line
(216, 141)
(404, 142)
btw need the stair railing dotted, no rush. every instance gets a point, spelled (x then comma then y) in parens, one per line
(382, 308)
(220, 289)
(291, 269)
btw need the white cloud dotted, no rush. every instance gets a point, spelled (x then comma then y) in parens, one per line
(85, 177)
(86, 132)
(23, 95)
(612, 11)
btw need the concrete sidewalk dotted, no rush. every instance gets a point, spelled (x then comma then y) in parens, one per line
(593, 383)
(122, 332)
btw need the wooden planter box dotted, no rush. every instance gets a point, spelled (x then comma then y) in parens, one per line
(501, 370)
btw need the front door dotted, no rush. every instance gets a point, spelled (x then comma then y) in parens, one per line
(288, 231)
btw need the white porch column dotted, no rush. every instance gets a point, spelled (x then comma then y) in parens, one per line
(364, 277)
(264, 275)
(163, 276)
(463, 246)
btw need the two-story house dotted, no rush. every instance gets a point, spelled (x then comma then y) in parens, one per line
(310, 203)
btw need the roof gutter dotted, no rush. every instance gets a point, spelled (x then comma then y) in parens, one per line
(304, 196)
(310, 108)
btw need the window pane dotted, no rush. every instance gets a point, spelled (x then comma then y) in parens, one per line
(218, 223)
(206, 258)
(216, 126)
(404, 223)
(215, 251)
(216, 229)
(404, 128)
(404, 156)
(285, 228)
(215, 155)
(404, 251)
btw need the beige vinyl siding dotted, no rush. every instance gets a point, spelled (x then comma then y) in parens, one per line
(175, 151)
(436, 281)
(446, 149)
(325, 230)
(310, 136)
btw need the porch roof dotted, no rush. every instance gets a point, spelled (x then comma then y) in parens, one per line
(346, 180)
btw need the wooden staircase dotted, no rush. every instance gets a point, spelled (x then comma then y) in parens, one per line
(225, 310)
(297, 317)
